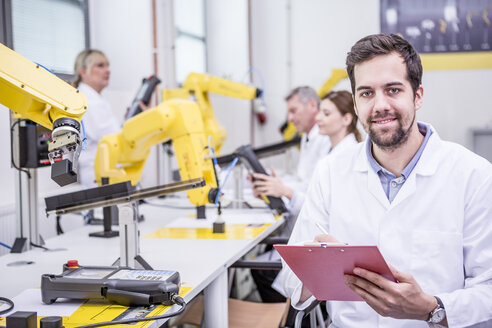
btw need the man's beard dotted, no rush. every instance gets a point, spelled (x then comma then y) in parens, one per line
(397, 137)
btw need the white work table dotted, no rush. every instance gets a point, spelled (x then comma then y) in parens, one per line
(170, 239)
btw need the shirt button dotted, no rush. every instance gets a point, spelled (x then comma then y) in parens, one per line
(393, 184)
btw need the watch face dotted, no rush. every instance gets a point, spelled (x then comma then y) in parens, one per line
(438, 316)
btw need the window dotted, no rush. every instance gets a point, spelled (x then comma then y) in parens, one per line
(50, 32)
(190, 46)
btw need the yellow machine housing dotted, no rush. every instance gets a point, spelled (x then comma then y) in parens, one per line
(34, 93)
(198, 86)
(122, 156)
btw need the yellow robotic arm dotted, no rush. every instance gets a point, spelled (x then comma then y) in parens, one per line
(337, 74)
(34, 93)
(199, 85)
(122, 156)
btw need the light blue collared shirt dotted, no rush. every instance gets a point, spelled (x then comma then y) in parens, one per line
(391, 184)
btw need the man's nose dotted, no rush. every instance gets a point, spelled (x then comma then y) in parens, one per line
(381, 102)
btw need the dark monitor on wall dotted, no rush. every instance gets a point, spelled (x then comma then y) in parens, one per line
(482, 142)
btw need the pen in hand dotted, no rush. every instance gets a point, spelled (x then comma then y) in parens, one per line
(323, 230)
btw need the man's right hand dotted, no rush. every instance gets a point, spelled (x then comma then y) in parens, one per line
(323, 238)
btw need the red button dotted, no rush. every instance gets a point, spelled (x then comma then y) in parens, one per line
(73, 264)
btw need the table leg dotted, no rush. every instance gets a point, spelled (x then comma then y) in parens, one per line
(216, 299)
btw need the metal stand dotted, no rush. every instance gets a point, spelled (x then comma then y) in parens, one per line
(238, 202)
(110, 213)
(127, 212)
(26, 204)
(129, 238)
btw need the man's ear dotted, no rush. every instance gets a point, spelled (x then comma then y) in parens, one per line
(419, 97)
(355, 106)
(313, 104)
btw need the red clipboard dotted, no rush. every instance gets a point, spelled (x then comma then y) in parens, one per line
(321, 267)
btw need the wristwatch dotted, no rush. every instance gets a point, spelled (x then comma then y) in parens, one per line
(438, 314)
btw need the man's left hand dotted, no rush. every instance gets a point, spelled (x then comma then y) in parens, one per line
(402, 300)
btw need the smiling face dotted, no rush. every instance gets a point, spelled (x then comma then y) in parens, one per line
(384, 100)
(330, 120)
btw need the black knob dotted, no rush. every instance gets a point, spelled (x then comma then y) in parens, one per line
(64, 121)
(51, 322)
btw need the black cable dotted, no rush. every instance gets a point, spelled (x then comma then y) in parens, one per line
(7, 301)
(12, 148)
(39, 246)
(59, 229)
(175, 298)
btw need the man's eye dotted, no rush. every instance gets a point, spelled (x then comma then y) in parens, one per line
(394, 90)
(365, 94)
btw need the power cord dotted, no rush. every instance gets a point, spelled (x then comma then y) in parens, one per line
(176, 299)
(6, 301)
(39, 246)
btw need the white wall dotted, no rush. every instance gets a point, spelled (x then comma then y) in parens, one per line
(299, 43)
(227, 56)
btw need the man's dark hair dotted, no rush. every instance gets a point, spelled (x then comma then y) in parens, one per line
(384, 44)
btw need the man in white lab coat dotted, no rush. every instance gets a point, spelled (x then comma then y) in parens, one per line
(426, 203)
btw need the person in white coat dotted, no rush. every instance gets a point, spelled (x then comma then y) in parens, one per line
(426, 203)
(337, 120)
(302, 107)
(91, 77)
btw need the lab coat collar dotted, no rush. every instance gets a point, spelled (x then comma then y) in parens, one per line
(427, 165)
(88, 91)
(311, 135)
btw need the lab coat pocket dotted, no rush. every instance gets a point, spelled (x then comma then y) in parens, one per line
(437, 260)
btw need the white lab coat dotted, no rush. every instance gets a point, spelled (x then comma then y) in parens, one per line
(348, 141)
(438, 228)
(99, 120)
(310, 153)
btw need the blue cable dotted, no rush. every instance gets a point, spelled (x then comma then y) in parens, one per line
(229, 170)
(45, 68)
(84, 138)
(5, 245)
(262, 81)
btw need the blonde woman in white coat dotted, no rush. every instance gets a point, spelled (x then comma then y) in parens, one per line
(91, 77)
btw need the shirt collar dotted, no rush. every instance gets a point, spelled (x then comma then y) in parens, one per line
(424, 130)
(312, 133)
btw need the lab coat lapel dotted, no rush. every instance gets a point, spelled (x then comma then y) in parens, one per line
(427, 165)
(373, 183)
